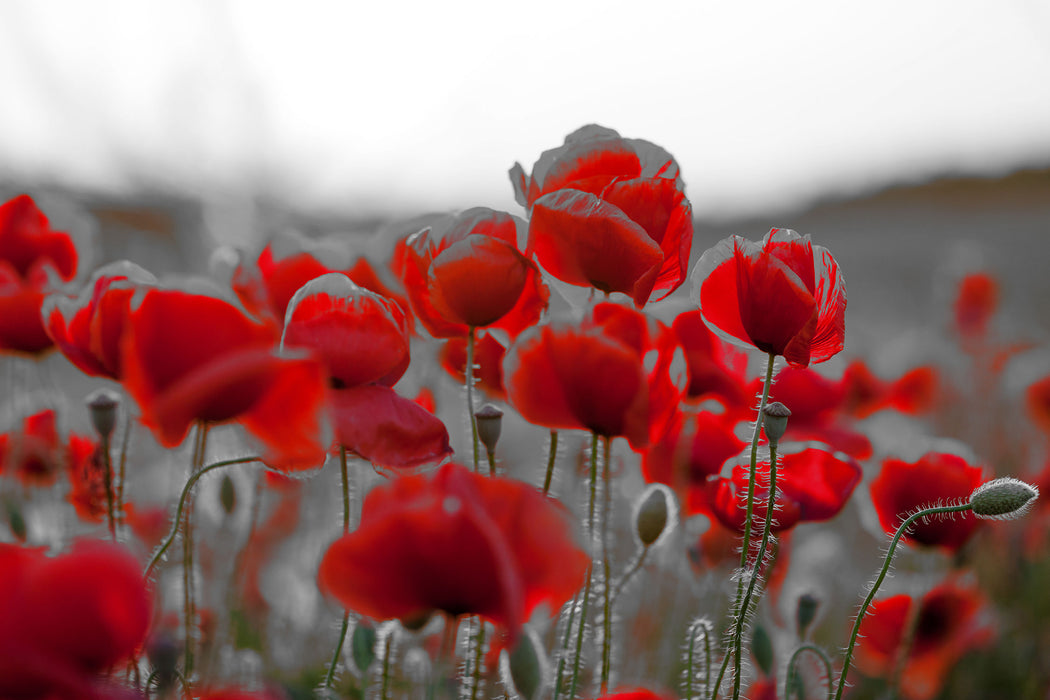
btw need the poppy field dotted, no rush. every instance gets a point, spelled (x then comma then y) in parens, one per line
(557, 453)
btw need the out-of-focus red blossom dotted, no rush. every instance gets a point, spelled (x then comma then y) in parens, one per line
(35, 454)
(148, 523)
(457, 542)
(192, 358)
(816, 405)
(593, 376)
(936, 478)
(466, 271)
(953, 619)
(609, 213)
(425, 399)
(241, 694)
(784, 296)
(714, 546)
(864, 394)
(87, 474)
(1037, 399)
(635, 694)
(68, 619)
(975, 303)
(716, 369)
(488, 361)
(764, 688)
(813, 485)
(88, 330)
(362, 339)
(34, 259)
(283, 517)
(694, 449)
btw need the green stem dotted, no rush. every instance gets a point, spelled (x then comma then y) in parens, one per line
(121, 470)
(107, 478)
(606, 569)
(631, 570)
(384, 689)
(344, 472)
(560, 675)
(479, 660)
(590, 569)
(551, 458)
(745, 605)
(188, 597)
(926, 513)
(792, 668)
(746, 548)
(469, 373)
(911, 625)
(697, 627)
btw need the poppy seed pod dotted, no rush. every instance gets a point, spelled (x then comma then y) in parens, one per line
(490, 422)
(1003, 499)
(103, 406)
(775, 421)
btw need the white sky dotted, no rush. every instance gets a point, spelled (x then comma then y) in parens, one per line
(374, 105)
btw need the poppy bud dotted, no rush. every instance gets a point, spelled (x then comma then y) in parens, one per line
(775, 420)
(1003, 499)
(525, 668)
(806, 612)
(15, 520)
(103, 406)
(490, 421)
(655, 510)
(762, 649)
(227, 494)
(363, 646)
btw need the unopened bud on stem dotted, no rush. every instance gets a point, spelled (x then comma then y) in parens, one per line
(655, 511)
(775, 421)
(1005, 498)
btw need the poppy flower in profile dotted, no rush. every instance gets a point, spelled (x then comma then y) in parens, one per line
(975, 303)
(456, 542)
(593, 376)
(191, 358)
(784, 296)
(953, 619)
(466, 272)
(362, 340)
(67, 619)
(88, 330)
(608, 213)
(813, 485)
(34, 260)
(936, 478)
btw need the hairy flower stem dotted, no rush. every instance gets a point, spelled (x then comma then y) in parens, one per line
(746, 604)
(925, 513)
(791, 677)
(551, 458)
(470, 396)
(344, 472)
(560, 675)
(479, 659)
(590, 570)
(696, 629)
(188, 598)
(107, 478)
(606, 569)
(384, 687)
(121, 469)
(746, 542)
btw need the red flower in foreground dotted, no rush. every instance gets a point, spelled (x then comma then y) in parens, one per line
(784, 296)
(593, 376)
(457, 542)
(33, 259)
(936, 478)
(89, 330)
(466, 271)
(362, 338)
(67, 619)
(812, 485)
(193, 358)
(608, 213)
(952, 620)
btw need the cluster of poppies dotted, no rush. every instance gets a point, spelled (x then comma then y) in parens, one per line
(568, 318)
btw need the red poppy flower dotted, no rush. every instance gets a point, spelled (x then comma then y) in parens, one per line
(466, 271)
(362, 339)
(816, 405)
(975, 303)
(35, 454)
(194, 358)
(936, 478)
(266, 287)
(952, 620)
(69, 618)
(636, 694)
(785, 297)
(33, 259)
(457, 542)
(716, 369)
(914, 392)
(88, 330)
(594, 377)
(813, 485)
(1037, 399)
(695, 448)
(87, 474)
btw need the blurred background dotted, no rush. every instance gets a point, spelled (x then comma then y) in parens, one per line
(908, 137)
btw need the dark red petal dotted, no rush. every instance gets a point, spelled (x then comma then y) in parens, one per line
(777, 309)
(21, 327)
(386, 429)
(819, 481)
(585, 241)
(26, 240)
(478, 280)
